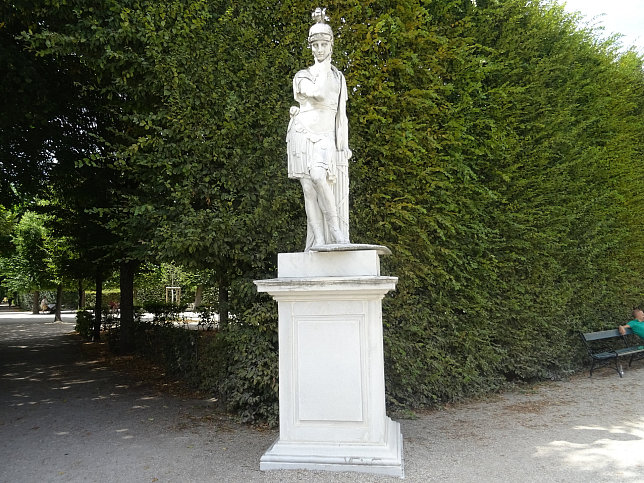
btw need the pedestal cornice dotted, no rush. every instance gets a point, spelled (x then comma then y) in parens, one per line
(327, 284)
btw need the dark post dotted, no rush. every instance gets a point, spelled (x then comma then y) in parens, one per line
(223, 303)
(98, 307)
(81, 295)
(198, 295)
(126, 333)
(59, 302)
(35, 308)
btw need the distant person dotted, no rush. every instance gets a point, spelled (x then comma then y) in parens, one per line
(10, 299)
(636, 325)
(44, 304)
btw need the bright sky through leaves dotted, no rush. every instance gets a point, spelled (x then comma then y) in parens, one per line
(619, 16)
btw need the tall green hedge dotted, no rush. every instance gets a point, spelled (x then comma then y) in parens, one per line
(497, 149)
(497, 152)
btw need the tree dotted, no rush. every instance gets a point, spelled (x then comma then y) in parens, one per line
(6, 246)
(57, 34)
(44, 119)
(28, 269)
(185, 169)
(53, 131)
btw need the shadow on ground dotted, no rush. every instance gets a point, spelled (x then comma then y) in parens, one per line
(67, 415)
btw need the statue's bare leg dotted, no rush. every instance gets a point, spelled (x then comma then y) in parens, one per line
(314, 216)
(326, 202)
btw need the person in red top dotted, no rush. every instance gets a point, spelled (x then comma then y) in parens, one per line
(636, 325)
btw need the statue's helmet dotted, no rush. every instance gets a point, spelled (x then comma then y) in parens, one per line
(320, 30)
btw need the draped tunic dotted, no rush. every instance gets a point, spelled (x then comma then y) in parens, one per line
(318, 136)
(311, 140)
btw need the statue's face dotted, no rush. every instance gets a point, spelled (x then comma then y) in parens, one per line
(321, 50)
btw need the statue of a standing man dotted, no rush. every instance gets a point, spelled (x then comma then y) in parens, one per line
(317, 140)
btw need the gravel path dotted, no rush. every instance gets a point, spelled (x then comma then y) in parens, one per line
(66, 417)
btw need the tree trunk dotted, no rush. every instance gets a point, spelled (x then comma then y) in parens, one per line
(59, 302)
(223, 304)
(98, 307)
(126, 333)
(81, 295)
(35, 309)
(198, 295)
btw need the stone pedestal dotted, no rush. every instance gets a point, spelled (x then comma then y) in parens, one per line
(331, 366)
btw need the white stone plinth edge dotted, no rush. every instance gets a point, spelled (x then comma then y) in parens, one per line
(331, 365)
(384, 459)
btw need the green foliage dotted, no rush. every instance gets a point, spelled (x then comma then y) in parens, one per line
(151, 283)
(240, 365)
(111, 298)
(30, 266)
(44, 121)
(172, 347)
(7, 221)
(84, 324)
(555, 102)
(497, 152)
(207, 317)
(164, 313)
(237, 363)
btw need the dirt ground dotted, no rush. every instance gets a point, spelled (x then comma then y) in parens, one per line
(70, 412)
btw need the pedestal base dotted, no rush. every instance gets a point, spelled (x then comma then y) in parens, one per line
(363, 458)
(331, 365)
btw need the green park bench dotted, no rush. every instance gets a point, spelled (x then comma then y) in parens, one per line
(607, 347)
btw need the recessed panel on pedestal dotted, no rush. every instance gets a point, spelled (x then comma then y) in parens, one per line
(329, 374)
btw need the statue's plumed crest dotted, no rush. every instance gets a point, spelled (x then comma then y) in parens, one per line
(319, 15)
(320, 29)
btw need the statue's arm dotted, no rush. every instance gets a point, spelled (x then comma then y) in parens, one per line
(305, 86)
(341, 121)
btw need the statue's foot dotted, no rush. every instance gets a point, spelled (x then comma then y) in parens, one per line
(339, 238)
(325, 247)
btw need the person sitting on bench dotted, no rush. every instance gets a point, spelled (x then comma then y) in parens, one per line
(636, 325)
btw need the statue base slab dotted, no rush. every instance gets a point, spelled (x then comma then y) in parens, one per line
(382, 459)
(331, 365)
(350, 247)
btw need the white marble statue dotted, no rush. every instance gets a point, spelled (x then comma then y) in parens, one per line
(317, 140)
